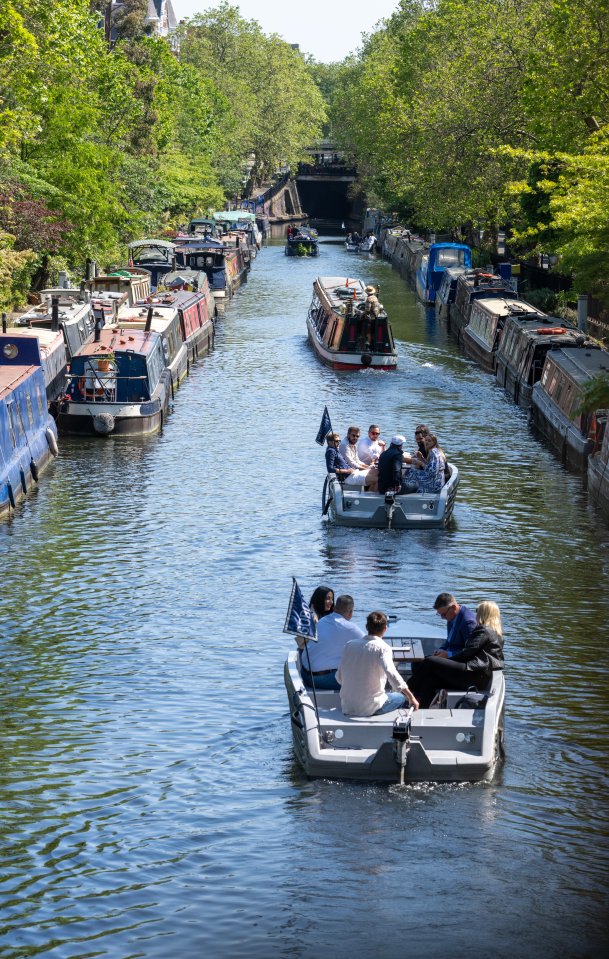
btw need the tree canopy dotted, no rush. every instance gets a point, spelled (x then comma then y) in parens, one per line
(491, 114)
(110, 141)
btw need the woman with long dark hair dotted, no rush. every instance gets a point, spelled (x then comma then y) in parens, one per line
(322, 601)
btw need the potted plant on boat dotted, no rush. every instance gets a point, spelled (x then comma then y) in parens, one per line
(104, 363)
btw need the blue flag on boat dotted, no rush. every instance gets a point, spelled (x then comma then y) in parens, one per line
(324, 427)
(300, 618)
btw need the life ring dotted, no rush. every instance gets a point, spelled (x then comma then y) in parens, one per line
(551, 330)
(52, 441)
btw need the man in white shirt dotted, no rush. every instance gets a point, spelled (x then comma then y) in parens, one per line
(366, 666)
(363, 473)
(370, 447)
(319, 661)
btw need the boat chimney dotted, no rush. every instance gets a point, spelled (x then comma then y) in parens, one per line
(83, 291)
(237, 239)
(174, 263)
(4, 322)
(98, 326)
(55, 312)
(582, 311)
(149, 319)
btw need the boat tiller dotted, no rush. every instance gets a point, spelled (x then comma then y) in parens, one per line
(389, 507)
(401, 744)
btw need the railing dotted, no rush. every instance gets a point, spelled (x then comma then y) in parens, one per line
(98, 386)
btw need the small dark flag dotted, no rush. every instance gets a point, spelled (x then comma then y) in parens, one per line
(324, 427)
(299, 619)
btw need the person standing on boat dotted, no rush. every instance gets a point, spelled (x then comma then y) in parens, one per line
(366, 666)
(319, 663)
(473, 665)
(348, 449)
(370, 447)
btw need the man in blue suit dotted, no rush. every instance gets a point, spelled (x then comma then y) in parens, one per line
(460, 622)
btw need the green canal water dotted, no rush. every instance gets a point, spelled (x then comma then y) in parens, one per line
(150, 803)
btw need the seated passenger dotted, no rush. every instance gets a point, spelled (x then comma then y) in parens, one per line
(335, 461)
(362, 472)
(419, 437)
(366, 666)
(472, 666)
(426, 476)
(390, 464)
(319, 661)
(370, 447)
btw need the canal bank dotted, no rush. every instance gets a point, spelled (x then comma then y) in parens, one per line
(151, 800)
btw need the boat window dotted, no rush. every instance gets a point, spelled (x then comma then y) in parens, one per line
(450, 257)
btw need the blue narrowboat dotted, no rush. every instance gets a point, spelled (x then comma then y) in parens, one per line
(28, 435)
(119, 384)
(434, 262)
(155, 256)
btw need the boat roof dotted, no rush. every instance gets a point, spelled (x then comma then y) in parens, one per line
(507, 306)
(233, 216)
(119, 340)
(173, 299)
(46, 338)
(162, 244)
(533, 328)
(581, 364)
(338, 289)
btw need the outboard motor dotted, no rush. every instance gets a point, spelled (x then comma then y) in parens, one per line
(389, 507)
(401, 744)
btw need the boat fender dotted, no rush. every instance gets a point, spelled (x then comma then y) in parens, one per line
(103, 423)
(366, 359)
(52, 443)
(327, 495)
(34, 470)
(23, 480)
(11, 495)
(550, 330)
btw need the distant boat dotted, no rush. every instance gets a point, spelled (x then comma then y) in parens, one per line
(28, 435)
(343, 334)
(302, 241)
(483, 333)
(223, 263)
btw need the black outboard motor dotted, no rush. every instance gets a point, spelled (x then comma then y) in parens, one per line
(401, 744)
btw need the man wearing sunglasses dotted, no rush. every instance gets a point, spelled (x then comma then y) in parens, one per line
(460, 623)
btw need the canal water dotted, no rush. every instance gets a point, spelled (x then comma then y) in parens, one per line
(150, 803)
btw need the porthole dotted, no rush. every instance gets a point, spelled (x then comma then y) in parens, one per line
(10, 350)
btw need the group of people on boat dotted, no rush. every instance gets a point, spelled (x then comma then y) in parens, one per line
(386, 468)
(360, 664)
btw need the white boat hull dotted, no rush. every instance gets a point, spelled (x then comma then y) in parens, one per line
(350, 506)
(443, 745)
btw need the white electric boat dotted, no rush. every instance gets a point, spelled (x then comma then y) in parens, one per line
(458, 742)
(351, 506)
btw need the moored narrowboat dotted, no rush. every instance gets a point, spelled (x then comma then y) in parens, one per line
(28, 435)
(344, 332)
(556, 399)
(155, 256)
(223, 265)
(162, 317)
(119, 384)
(53, 355)
(193, 310)
(133, 280)
(69, 310)
(523, 349)
(482, 335)
(473, 285)
(447, 291)
(434, 262)
(598, 467)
